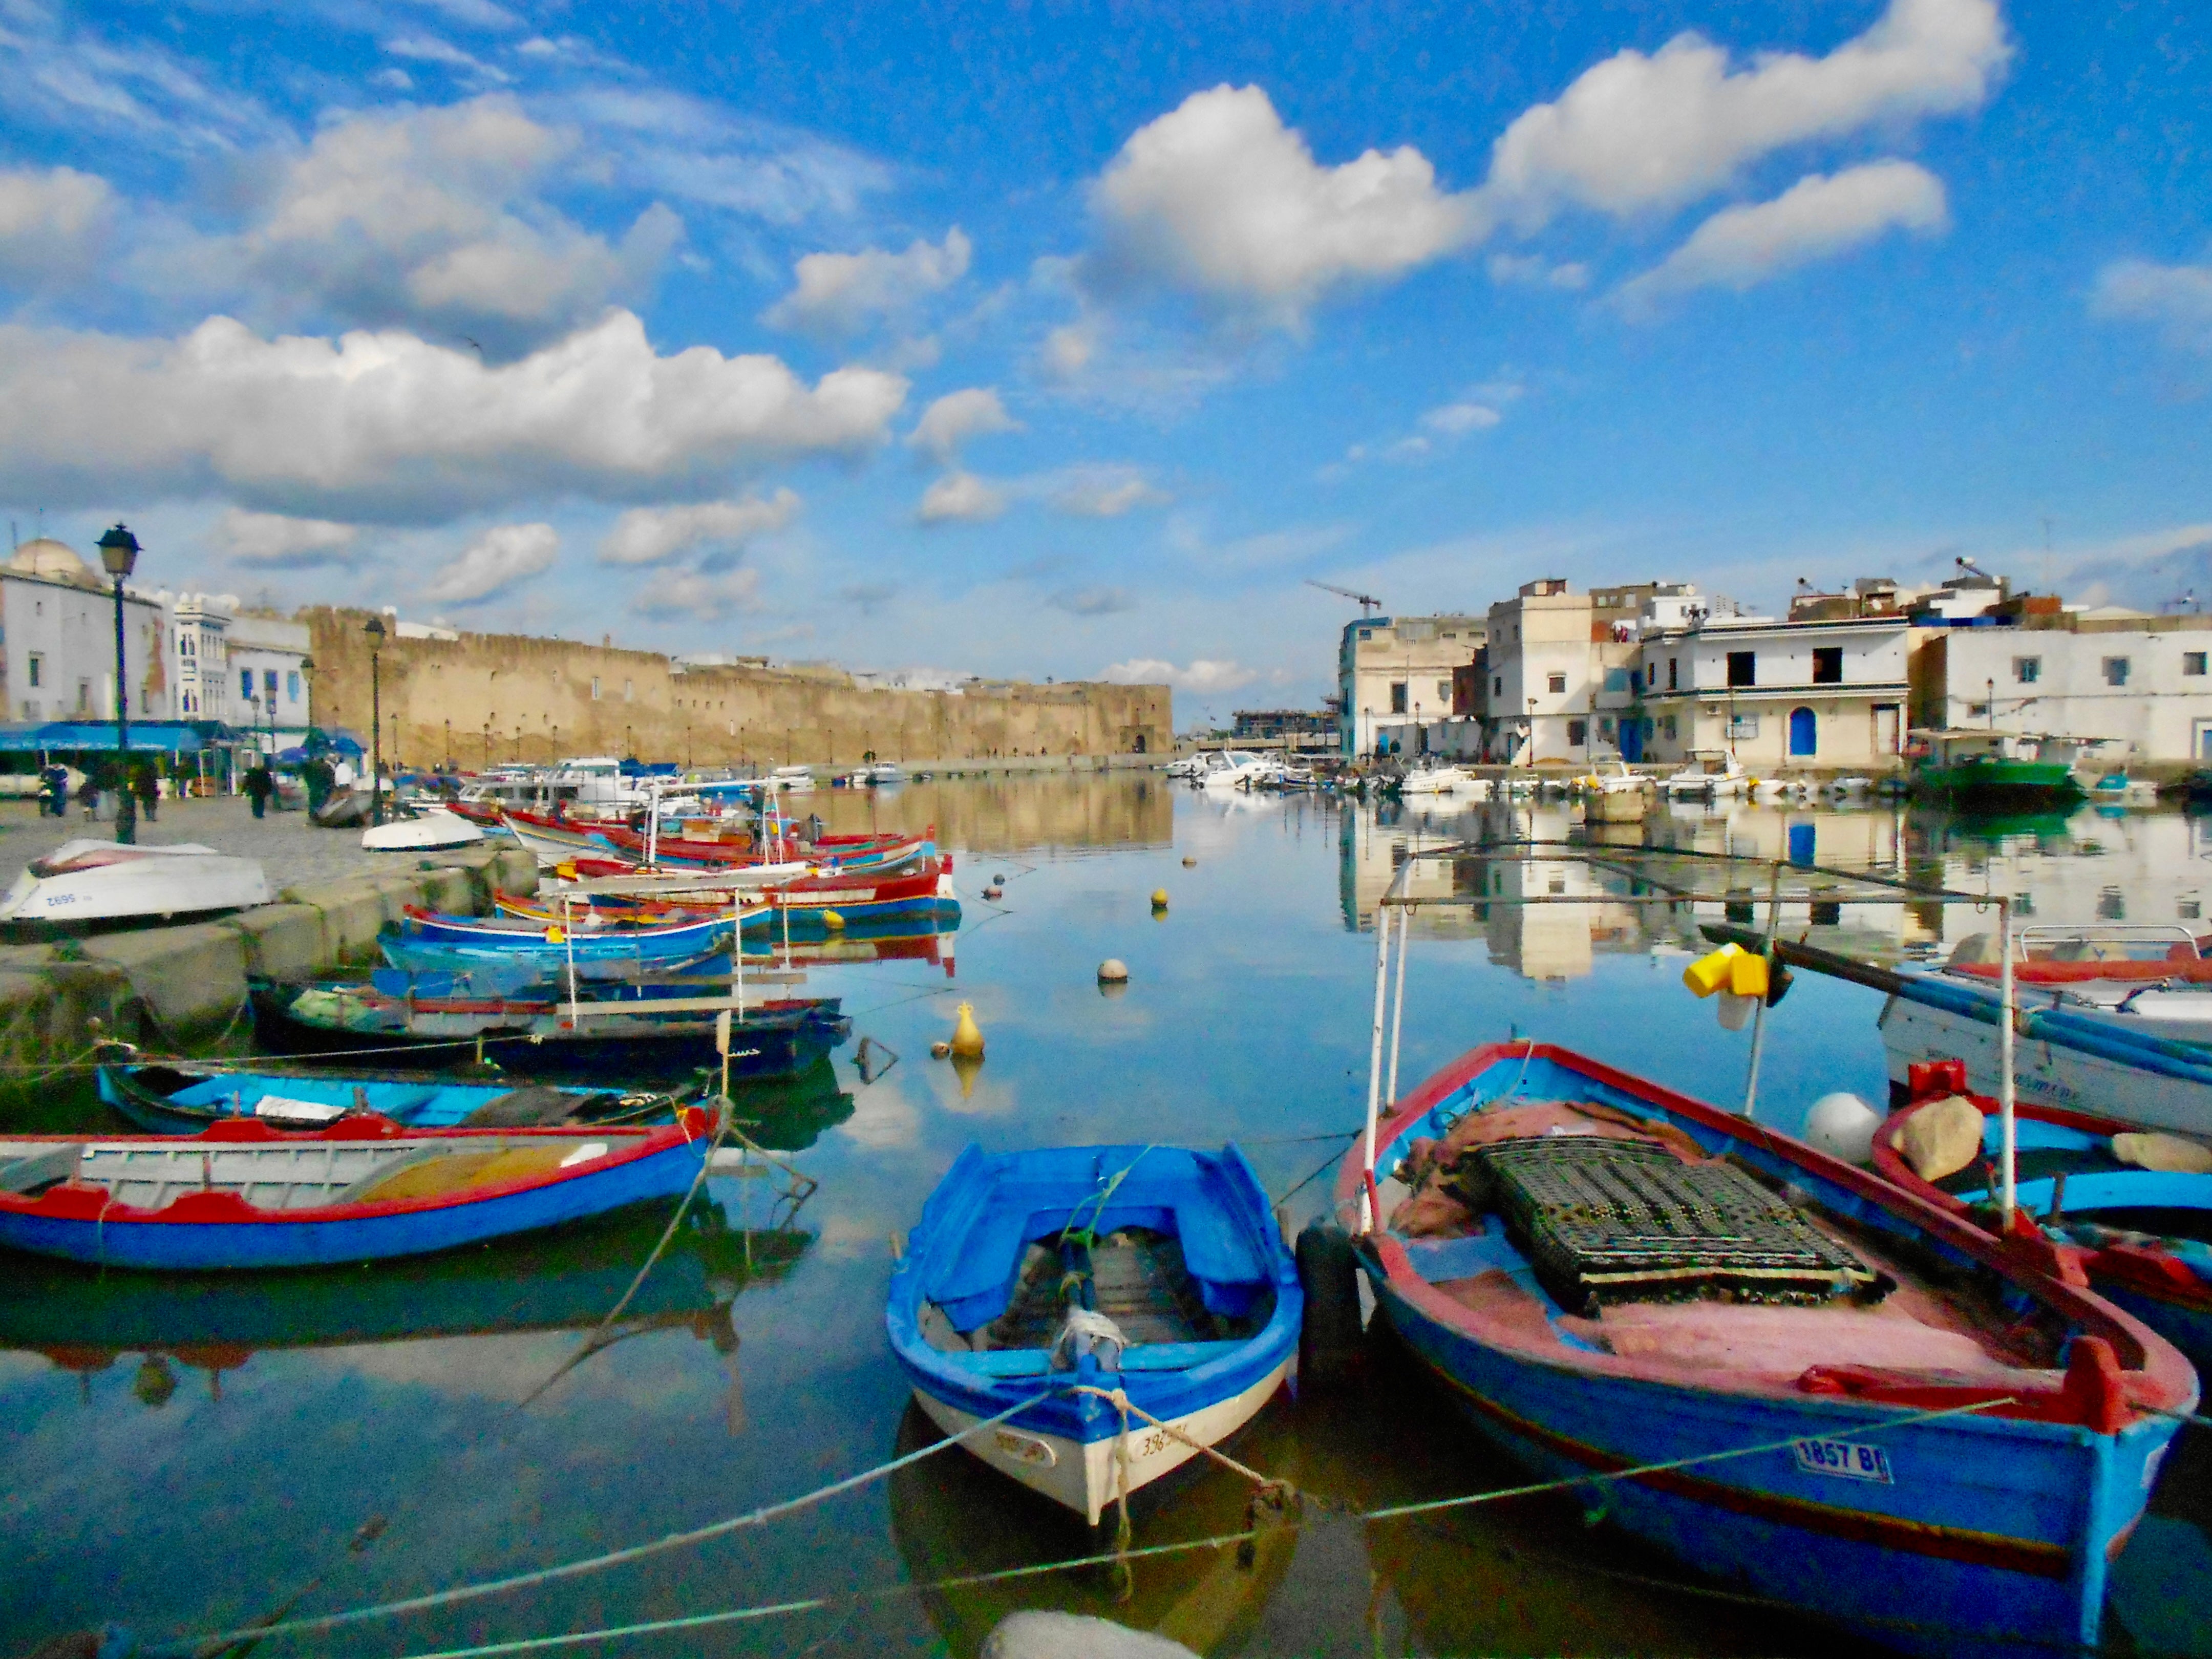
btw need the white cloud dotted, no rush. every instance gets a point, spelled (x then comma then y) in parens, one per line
(1636, 133)
(1204, 675)
(695, 149)
(1816, 218)
(700, 596)
(430, 49)
(390, 427)
(51, 220)
(1093, 601)
(502, 557)
(1068, 349)
(1457, 419)
(960, 498)
(1534, 271)
(276, 542)
(957, 416)
(2177, 298)
(841, 294)
(651, 535)
(1103, 492)
(430, 219)
(1219, 198)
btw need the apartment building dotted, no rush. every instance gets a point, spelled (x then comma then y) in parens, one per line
(2141, 682)
(1397, 673)
(1776, 694)
(58, 640)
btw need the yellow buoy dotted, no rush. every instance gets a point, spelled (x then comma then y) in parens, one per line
(1711, 972)
(1747, 976)
(967, 1035)
(1159, 898)
(833, 921)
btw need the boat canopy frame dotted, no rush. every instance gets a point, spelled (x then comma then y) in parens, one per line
(1786, 882)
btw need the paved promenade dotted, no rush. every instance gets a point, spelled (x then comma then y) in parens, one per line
(292, 850)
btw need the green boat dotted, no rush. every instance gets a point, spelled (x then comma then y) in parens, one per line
(1996, 772)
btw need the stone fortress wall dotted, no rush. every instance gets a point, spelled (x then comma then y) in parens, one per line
(486, 698)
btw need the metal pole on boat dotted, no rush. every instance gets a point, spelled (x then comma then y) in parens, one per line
(1398, 1010)
(1759, 1014)
(568, 938)
(2006, 1000)
(652, 825)
(1375, 1052)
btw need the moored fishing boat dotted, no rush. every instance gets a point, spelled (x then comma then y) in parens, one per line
(1074, 1272)
(433, 828)
(564, 931)
(2130, 1209)
(1586, 1340)
(1991, 771)
(801, 906)
(107, 881)
(243, 1196)
(178, 1097)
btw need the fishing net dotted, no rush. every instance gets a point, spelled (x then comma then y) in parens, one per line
(1604, 1220)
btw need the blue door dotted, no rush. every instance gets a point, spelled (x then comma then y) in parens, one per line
(1804, 732)
(1632, 740)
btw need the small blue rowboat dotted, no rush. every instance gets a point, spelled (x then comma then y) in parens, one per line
(180, 1098)
(554, 945)
(1519, 1251)
(243, 1196)
(1077, 1271)
(489, 970)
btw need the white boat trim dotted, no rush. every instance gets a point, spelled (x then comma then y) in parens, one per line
(1085, 1476)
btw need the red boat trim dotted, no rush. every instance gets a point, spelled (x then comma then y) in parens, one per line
(1983, 1549)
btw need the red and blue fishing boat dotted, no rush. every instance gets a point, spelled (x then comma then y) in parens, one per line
(555, 935)
(2099, 1201)
(242, 1195)
(182, 1098)
(1889, 1418)
(801, 908)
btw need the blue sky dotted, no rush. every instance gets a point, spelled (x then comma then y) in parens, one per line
(1072, 340)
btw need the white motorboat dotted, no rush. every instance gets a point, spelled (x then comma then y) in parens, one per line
(431, 830)
(1237, 766)
(1617, 780)
(792, 780)
(1712, 772)
(1849, 788)
(1444, 781)
(1795, 789)
(883, 772)
(104, 880)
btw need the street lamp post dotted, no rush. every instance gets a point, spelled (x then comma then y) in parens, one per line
(1532, 732)
(118, 552)
(373, 628)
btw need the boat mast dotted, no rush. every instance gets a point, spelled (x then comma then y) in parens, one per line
(2006, 999)
(1383, 916)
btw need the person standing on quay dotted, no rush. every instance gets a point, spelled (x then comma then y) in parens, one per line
(260, 785)
(148, 788)
(318, 776)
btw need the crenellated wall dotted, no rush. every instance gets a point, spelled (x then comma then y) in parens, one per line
(491, 698)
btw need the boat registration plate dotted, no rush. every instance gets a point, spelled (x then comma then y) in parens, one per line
(1843, 1458)
(1025, 1448)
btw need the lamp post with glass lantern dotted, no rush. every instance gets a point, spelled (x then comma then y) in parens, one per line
(373, 628)
(118, 552)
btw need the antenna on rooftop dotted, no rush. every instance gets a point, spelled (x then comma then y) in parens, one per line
(1367, 602)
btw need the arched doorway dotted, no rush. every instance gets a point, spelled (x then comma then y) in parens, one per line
(1804, 733)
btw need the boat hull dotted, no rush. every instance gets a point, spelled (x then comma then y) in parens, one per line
(186, 884)
(2043, 1074)
(1084, 1475)
(1981, 1528)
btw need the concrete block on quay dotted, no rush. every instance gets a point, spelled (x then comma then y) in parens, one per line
(449, 888)
(191, 979)
(514, 869)
(284, 941)
(353, 915)
(45, 1014)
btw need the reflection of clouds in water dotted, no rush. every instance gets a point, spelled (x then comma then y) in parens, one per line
(883, 1117)
(860, 1234)
(663, 1372)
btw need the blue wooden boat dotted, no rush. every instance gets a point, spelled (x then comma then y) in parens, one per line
(2140, 1237)
(514, 969)
(1480, 1229)
(243, 1195)
(1080, 1270)
(174, 1097)
(603, 936)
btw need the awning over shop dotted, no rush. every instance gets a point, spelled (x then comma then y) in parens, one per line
(96, 737)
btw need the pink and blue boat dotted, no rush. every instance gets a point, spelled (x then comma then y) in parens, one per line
(1935, 1445)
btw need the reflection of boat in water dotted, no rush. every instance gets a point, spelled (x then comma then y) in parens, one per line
(953, 1517)
(84, 1319)
(789, 1114)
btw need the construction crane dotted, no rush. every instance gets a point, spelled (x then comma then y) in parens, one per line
(1367, 602)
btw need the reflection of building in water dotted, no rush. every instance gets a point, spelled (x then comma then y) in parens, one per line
(1011, 815)
(2142, 867)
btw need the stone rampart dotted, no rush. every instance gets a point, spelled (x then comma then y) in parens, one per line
(485, 698)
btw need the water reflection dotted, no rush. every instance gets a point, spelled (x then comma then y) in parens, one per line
(1033, 812)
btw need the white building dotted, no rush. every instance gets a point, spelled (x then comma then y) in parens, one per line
(1775, 694)
(1543, 674)
(269, 685)
(1392, 671)
(58, 640)
(2141, 682)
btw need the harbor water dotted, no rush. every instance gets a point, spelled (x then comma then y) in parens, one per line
(189, 1457)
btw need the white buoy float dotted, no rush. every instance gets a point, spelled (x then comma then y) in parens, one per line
(1843, 1126)
(1113, 972)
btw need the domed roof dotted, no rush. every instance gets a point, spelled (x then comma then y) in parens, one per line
(57, 562)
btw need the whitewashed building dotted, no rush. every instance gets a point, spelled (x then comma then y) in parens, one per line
(1398, 673)
(2142, 683)
(269, 683)
(58, 640)
(1775, 694)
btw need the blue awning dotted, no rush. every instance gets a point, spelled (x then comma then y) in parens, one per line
(95, 737)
